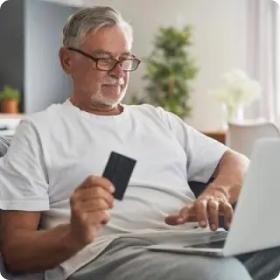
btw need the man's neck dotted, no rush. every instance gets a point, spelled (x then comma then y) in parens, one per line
(98, 109)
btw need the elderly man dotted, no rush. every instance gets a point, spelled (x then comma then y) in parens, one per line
(59, 218)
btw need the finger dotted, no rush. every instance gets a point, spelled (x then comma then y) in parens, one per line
(96, 193)
(94, 205)
(227, 210)
(96, 217)
(187, 214)
(179, 218)
(213, 214)
(102, 217)
(93, 181)
(79, 207)
(172, 219)
(200, 208)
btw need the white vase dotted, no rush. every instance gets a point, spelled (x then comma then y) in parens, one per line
(239, 115)
(233, 114)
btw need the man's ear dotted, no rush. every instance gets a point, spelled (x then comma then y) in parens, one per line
(65, 60)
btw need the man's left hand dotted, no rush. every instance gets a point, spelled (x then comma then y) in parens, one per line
(205, 210)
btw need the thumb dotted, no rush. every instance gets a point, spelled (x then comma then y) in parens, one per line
(173, 219)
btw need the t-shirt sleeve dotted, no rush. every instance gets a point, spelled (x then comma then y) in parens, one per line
(203, 153)
(23, 175)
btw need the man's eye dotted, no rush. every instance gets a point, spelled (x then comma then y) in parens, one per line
(126, 57)
(106, 61)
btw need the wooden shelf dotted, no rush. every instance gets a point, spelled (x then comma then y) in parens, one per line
(217, 135)
(11, 116)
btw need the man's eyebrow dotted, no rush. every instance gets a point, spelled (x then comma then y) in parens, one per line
(127, 54)
(102, 52)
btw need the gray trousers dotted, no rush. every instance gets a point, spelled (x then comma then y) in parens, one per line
(128, 259)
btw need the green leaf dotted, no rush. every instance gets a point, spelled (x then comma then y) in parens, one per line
(9, 93)
(169, 69)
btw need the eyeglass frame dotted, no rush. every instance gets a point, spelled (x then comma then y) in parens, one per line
(96, 59)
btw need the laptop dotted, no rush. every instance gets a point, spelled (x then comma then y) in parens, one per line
(255, 225)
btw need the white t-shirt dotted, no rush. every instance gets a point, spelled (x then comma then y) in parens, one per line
(55, 150)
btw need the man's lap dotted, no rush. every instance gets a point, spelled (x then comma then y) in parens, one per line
(262, 265)
(128, 258)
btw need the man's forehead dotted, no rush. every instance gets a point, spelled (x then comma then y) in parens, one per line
(108, 40)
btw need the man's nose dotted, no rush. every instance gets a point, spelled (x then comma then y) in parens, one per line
(117, 71)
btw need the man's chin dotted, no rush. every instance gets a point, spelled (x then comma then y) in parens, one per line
(112, 92)
(107, 101)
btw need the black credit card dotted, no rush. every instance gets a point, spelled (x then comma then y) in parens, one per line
(118, 170)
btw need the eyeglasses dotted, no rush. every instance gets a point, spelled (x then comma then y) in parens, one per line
(109, 63)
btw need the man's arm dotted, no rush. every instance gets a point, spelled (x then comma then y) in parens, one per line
(218, 197)
(27, 249)
(229, 175)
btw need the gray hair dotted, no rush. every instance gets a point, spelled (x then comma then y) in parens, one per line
(91, 19)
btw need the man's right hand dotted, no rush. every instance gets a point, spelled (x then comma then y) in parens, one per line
(27, 249)
(89, 204)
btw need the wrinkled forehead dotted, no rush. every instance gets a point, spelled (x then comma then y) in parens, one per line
(110, 39)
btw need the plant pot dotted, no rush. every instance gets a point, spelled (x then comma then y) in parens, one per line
(9, 106)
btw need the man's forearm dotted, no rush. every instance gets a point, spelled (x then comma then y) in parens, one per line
(34, 251)
(229, 175)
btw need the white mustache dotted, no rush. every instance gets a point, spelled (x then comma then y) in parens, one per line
(114, 82)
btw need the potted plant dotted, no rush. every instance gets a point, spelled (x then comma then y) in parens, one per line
(169, 69)
(9, 100)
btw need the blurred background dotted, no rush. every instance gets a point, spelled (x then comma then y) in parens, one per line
(227, 37)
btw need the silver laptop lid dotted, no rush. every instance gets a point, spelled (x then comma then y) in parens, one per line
(256, 223)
